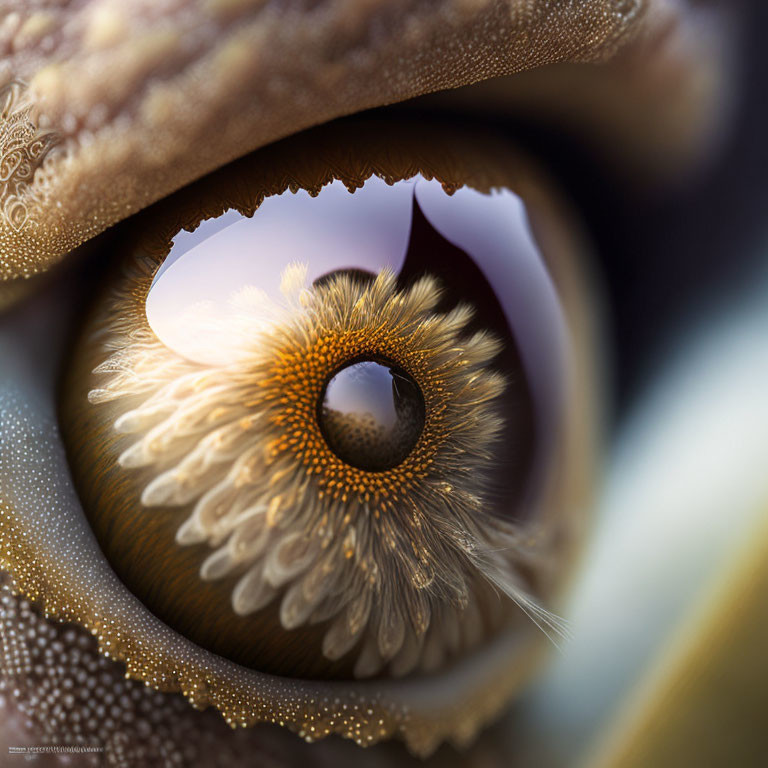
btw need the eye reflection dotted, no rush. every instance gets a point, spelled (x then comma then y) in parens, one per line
(479, 246)
(372, 414)
(220, 504)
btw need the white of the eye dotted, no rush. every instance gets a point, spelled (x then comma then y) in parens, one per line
(494, 229)
(194, 303)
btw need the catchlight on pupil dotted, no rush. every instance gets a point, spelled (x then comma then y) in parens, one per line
(372, 414)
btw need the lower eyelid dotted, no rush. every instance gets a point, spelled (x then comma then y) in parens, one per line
(41, 514)
(124, 722)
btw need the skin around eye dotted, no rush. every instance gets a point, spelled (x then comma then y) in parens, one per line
(153, 652)
(95, 164)
(142, 99)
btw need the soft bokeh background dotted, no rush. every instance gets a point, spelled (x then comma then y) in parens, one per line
(667, 664)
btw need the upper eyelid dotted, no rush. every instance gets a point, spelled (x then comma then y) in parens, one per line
(126, 145)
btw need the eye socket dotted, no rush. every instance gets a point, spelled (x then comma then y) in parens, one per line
(541, 536)
(336, 565)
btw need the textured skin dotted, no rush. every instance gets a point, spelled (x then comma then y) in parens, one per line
(144, 97)
(137, 105)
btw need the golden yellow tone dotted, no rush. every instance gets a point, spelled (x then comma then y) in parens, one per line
(399, 564)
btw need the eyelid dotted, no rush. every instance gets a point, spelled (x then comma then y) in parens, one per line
(176, 79)
(652, 116)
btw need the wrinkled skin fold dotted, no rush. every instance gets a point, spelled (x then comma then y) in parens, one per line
(127, 102)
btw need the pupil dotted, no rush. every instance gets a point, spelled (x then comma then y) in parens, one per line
(372, 414)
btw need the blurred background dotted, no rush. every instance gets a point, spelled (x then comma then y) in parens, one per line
(667, 666)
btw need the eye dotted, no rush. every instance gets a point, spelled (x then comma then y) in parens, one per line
(352, 435)
(331, 435)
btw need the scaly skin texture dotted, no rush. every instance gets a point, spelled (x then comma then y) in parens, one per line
(137, 99)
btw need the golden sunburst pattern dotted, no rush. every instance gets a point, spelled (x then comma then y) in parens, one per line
(396, 562)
